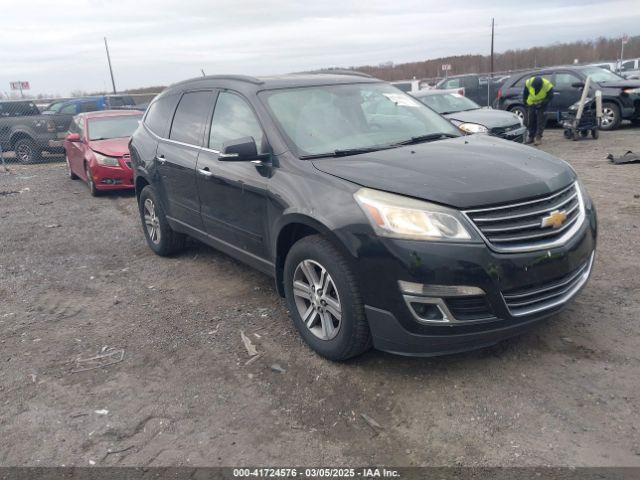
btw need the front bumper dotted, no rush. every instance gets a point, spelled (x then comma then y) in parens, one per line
(112, 178)
(501, 277)
(516, 135)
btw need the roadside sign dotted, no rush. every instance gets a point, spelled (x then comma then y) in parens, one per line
(19, 85)
(446, 67)
(625, 39)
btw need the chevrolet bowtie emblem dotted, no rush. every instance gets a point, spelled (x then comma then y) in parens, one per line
(555, 219)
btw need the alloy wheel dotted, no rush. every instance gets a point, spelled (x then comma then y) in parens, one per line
(317, 299)
(24, 152)
(151, 221)
(608, 116)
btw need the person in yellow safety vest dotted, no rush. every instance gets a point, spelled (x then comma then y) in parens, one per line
(537, 94)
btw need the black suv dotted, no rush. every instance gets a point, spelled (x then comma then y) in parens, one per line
(620, 97)
(391, 230)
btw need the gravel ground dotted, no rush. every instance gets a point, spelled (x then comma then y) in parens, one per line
(76, 277)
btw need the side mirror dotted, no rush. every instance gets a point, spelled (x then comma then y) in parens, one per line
(578, 85)
(73, 137)
(241, 150)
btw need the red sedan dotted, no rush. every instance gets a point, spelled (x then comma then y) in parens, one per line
(97, 149)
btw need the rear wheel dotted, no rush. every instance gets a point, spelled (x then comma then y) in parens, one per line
(324, 300)
(26, 151)
(610, 116)
(160, 236)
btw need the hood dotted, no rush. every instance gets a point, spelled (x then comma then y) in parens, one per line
(464, 172)
(485, 116)
(113, 147)
(621, 84)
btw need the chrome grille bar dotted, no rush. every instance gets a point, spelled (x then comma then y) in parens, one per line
(519, 227)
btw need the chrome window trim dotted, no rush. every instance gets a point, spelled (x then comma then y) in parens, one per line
(557, 242)
(175, 142)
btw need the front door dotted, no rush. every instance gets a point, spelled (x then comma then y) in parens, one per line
(233, 194)
(76, 150)
(177, 156)
(565, 93)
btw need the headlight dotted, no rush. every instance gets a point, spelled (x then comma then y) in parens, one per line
(402, 217)
(632, 90)
(107, 161)
(470, 128)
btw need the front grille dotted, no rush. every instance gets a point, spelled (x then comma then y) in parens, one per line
(553, 294)
(521, 226)
(470, 308)
(502, 130)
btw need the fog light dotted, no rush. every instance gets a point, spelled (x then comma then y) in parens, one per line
(427, 311)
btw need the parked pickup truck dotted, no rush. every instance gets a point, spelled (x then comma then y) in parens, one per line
(27, 132)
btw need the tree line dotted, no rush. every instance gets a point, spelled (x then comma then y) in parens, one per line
(590, 51)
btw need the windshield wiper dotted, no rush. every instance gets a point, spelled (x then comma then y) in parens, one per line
(344, 152)
(427, 138)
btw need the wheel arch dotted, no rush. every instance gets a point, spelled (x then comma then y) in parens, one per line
(19, 135)
(294, 228)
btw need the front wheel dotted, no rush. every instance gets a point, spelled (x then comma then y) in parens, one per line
(26, 151)
(159, 235)
(520, 112)
(90, 181)
(70, 173)
(611, 117)
(324, 300)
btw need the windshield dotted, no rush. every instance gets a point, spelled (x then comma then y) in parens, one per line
(598, 74)
(113, 127)
(448, 102)
(324, 119)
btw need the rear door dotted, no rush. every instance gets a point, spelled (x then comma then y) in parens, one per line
(176, 157)
(233, 194)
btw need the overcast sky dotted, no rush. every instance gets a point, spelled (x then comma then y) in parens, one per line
(58, 47)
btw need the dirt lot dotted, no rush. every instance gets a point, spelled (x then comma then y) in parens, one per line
(76, 276)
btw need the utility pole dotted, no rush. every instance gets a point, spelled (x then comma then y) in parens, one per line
(113, 82)
(491, 69)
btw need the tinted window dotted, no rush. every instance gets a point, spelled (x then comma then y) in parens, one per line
(18, 109)
(626, 66)
(564, 80)
(521, 82)
(189, 120)
(159, 115)
(233, 119)
(70, 108)
(453, 83)
(88, 106)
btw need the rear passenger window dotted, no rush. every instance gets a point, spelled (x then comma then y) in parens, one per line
(159, 115)
(190, 118)
(233, 119)
(89, 107)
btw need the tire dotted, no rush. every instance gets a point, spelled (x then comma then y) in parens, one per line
(611, 117)
(162, 239)
(595, 133)
(26, 151)
(567, 134)
(521, 112)
(90, 183)
(584, 133)
(349, 336)
(70, 173)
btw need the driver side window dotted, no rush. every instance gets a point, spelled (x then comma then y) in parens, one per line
(233, 119)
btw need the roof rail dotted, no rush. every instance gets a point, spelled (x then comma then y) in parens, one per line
(239, 78)
(343, 72)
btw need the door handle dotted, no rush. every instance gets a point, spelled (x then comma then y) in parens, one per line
(205, 171)
(161, 160)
